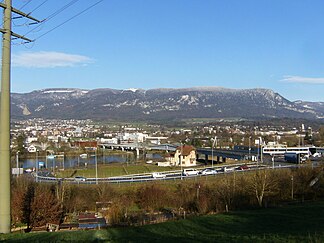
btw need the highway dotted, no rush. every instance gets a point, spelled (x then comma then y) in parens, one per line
(166, 175)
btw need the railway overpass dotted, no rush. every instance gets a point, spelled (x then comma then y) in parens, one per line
(222, 154)
(238, 153)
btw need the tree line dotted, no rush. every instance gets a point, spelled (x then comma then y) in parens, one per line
(35, 204)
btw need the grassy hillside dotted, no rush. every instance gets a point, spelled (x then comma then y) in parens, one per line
(294, 223)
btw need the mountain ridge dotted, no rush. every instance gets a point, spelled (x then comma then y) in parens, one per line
(160, 103)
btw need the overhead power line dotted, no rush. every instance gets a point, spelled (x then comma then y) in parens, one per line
(73, 17)
(51, 16)
(39, 6)
(28, 1)
(61, 9)
(30, 11)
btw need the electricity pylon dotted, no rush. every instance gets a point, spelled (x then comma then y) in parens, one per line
(5, 171)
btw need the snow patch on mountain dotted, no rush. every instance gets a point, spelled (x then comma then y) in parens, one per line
(57, 91)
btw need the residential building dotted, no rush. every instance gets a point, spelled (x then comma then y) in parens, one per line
(184, 155)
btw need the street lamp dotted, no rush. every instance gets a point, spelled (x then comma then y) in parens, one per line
(249, 148)
(53, 166)
(213, 144)
(292, 187)
(259, 142)
(258, 153)
(103, 154)
(96, 166)
(63, 161)
(17, 162)
(180, 159)
(36, 165)
(261, 150)
(46, 159)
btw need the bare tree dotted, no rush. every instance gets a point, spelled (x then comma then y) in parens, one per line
(301, 179)
(226, 191)
(105, 192)
(19, 189)
(262, 184)
(27, 205)
(45, 208)
(152, 197)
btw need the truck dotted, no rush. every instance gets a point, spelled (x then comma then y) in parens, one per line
(293, 158)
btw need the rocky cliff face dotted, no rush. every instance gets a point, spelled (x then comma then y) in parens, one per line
(157, 104)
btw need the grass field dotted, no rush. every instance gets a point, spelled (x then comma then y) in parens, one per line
(114, 170)
(292, 223)
(119, 169)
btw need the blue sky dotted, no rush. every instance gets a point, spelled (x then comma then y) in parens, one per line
(146, 44)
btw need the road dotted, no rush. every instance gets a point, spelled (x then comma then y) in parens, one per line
(166, 175)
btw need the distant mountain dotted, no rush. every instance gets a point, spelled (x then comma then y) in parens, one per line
(315, 106)
(160, 104)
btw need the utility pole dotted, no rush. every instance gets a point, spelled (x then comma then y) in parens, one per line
(5, 171)
(180, 159)
(96, 161)
(17, 162)
(213, 144)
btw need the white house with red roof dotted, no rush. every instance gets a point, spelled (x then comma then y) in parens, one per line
(184, 155)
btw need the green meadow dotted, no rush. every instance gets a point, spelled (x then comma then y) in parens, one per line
(289, 223)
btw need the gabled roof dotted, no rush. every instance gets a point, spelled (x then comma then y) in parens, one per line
(185, 149)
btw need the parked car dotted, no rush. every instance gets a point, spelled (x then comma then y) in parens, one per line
(190, 172)
(80, 178)
(242, 167)
(157, 175)
(208, 171)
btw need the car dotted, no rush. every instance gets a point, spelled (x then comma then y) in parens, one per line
(317, 155)
(227, 169)
(80, 178)
(242, 167)
(83, 156)
(190, 172)
(208, 171)
(157, 175)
